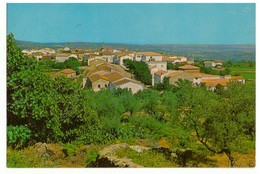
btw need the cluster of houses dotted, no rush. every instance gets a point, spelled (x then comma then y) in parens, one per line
(193, 74)
(60, 55)
(103, 75)
(106, 68)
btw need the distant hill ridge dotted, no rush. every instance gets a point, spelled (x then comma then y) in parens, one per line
(196, 51)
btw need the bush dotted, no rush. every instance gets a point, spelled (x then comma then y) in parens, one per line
(18, 136)
(70, 149)
(91, 157)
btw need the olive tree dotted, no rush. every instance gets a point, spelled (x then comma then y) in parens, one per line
(218, 121)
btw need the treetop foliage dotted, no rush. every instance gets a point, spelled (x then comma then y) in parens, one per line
(140, 70)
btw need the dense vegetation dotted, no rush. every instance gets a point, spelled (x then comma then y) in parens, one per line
(140, 70)
(43, 109)
(71, 63)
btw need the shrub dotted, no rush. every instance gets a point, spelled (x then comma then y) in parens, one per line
(70, 149)
(18, 136)
(91, 156)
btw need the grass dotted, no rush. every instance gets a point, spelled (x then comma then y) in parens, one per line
(247, 72)
(242, 68)
(241, 160)
(247, 75)
(146, 158)
(75, 157)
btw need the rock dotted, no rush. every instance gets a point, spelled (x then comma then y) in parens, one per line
(139, 149)
(107, 157)
(43, 149)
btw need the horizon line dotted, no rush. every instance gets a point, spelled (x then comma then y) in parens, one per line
(124, 43)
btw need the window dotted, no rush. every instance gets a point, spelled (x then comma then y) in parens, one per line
(106, 85)
(161, 66)
(98, 86)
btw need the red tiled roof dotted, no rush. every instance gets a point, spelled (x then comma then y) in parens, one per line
(189, 67)
(237, 78)
(95, 77)
(125, 80)
(215, 82)
(113, 76)
(195, 74)
(68, 71)
(173, 74)
(148, 53)
(160, 72)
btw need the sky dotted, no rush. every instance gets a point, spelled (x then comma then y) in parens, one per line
(225, 23)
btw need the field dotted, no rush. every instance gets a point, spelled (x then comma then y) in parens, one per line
(245, 71)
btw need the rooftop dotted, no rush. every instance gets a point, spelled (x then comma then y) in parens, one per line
(113, 76)
(62, 55)
(174, 73)
(160, 72)
(189, 67)
(95, 77)
(196, 75)
(215, 82)
(148, 53)
(67, 71)
(237, 78)
(126, 80)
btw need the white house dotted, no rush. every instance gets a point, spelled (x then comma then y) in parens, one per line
(126, 83)
(63, 57)
(120, 57)
(213, 64)
(66, 49)
(160, 65)
(147, 56)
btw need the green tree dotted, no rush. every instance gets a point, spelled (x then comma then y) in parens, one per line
(170, 65)
(218, 121)
(31, 96)
(129, 101)
(149, 100)
(74, 64)
(140, 70)
(165, 85)
(110, 110)
(79, 121)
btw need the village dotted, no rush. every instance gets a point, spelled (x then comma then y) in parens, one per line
(106, 69)
(129, 85)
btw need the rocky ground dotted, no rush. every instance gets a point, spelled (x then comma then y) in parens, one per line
(117, 155)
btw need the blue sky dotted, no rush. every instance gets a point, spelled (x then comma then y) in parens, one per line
(133, 23)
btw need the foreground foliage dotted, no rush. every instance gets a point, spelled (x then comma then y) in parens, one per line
(43, 109)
